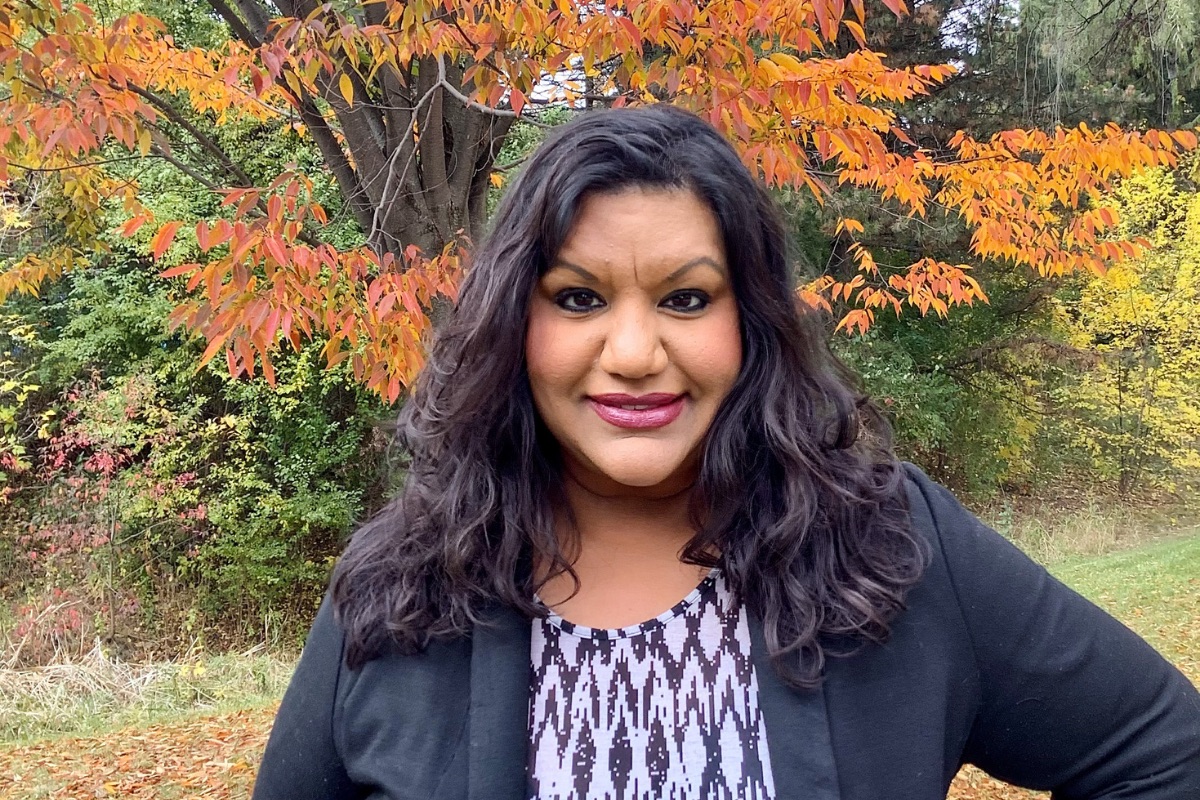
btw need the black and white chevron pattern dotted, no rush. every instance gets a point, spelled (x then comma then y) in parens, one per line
(665, 709)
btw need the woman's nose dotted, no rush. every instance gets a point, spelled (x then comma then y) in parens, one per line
(633, 346)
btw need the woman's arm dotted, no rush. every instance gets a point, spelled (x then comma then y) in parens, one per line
(302, 760)
(1073, 701)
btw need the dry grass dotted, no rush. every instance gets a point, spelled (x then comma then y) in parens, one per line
(98, 692)
(1052, 531)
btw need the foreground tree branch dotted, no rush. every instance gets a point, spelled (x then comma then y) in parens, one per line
(409, 104)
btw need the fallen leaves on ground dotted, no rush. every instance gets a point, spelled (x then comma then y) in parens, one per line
(210, 757)
(974, 784)
(213, 757)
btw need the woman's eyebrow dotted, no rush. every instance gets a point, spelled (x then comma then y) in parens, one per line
(696, 262)
(578, 270)
(674, 276)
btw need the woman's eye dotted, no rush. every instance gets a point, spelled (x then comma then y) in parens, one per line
(578, 300)
(686, 301)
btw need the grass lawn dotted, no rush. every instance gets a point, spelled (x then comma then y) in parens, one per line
(1155, 589)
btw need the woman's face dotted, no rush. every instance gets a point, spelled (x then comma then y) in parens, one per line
(633, 340)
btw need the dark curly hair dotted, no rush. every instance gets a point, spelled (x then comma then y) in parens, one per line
(798, 494)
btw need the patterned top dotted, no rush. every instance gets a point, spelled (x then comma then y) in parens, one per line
(665, 709)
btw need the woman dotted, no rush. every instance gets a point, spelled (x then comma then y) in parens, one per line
(651, 544)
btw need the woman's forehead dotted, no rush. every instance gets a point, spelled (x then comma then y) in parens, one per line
(666, 230)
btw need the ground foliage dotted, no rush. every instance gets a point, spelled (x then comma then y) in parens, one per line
(213, 757)
(1154, 589)
(206, 757)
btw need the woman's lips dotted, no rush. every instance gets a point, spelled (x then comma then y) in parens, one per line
(641, 412)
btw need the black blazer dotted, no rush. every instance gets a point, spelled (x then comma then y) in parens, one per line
(993, 663)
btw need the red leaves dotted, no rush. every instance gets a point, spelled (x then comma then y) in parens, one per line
(131, 227)
(829, 17)
(179, 271)
(897, 7)
(268, 286)
(516, 99)
(208, 238)
(162, 240)
(1186, 139)
(276, 248)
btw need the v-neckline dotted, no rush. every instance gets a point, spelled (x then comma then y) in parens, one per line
(799, 740)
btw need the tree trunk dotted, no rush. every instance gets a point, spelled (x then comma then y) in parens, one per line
(412, 159)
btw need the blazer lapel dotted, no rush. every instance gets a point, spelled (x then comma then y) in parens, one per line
(798, 737)
(499, 740)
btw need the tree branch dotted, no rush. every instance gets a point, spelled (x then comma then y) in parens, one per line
(480, 107)
(185, 168)
(200, 136)
(378, 235)
(336, 160)
(431, 140)
(257, 16)
(78, 165)
(239, 28)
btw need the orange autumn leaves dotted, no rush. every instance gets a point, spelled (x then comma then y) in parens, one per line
(265, 282)
(73, 87)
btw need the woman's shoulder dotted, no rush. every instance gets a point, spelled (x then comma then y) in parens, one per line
(970, 565)
(956, 535)
(929, 503)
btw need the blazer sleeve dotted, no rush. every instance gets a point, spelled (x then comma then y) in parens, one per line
(301, 761)
(1072, 700)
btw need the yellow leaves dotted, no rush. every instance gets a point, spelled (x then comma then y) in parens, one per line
(770, 71)
(346, 87)
(11, 217)
(1139, 395)
(847, 224)
(856, 30)
(787, 61)
(28, 273)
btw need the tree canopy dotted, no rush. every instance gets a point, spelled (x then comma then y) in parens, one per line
(408, 104)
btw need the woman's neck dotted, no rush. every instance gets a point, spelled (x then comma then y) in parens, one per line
(625, 552)
(632, 523)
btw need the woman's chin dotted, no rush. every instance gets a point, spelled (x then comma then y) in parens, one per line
(651, 475)
(641, 480)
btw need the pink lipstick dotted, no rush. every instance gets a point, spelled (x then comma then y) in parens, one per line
(642, 412)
